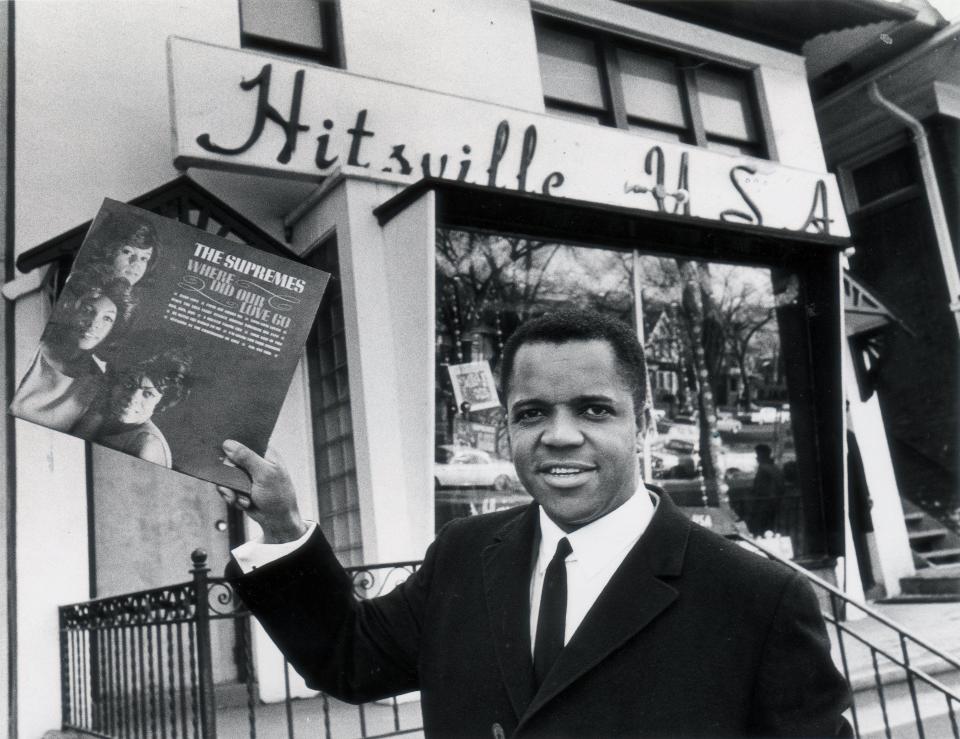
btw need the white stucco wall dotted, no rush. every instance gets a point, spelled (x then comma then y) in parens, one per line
(92, 112)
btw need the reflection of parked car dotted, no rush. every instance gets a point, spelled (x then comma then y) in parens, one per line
(687, 427)
(680, 459)
(729, 425)
(767, 415)
(461, 466)
(675, 459)
(685, 430)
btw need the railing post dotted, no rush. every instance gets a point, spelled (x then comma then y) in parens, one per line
(65, 676)
(207, 706)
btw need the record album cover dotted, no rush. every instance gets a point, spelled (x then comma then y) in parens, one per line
(166, 340)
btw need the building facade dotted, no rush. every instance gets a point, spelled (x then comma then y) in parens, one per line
(458, 167)
(897, 165)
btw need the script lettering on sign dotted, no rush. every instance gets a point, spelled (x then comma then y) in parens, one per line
(359, 133)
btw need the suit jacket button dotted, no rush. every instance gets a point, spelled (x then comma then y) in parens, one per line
(497, 730)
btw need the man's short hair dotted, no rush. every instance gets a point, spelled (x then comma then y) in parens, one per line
(582, 324)
(763, 451)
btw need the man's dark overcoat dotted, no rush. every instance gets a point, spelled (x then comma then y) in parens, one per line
(693, 636)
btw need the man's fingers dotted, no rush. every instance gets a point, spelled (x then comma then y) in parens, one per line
(245, 458)
(236, 498)
(229, 497)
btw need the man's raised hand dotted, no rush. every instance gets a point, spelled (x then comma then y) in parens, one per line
(272, 501)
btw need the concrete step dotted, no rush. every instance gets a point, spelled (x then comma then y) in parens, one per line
(944, 585)
(934, 580)
(950, 555)
(925, 536)
(930, 598)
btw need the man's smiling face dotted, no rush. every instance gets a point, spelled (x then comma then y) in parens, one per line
(573, 429)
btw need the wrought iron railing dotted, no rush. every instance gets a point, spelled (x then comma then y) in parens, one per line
(141, 665)
(899, 680)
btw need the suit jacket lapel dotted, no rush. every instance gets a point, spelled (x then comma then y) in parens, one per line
(634, 596)
(507, 567)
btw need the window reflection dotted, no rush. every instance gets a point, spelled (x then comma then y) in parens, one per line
(719, 424)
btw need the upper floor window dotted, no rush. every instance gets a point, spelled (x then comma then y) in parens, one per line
(302, 28)
(604, 79)
(882, 181)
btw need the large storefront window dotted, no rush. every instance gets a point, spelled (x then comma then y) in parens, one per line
(720, 431)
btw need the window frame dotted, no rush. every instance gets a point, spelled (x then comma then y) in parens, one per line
(615, 115)
(330, 53)
(330, 517)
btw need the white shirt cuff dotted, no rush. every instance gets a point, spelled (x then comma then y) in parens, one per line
(255, 553)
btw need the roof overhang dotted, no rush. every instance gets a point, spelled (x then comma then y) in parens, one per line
(785, 24)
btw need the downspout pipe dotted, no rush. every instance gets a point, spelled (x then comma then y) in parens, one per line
(937, 213)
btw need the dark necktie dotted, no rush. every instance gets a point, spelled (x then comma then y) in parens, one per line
(553, 613)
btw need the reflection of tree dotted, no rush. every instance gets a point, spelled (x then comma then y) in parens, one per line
(488, 284)
(718, 316)
(745, 315)
(482, 276)
(699, 312)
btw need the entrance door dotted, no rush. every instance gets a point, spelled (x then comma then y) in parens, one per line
(147, 521)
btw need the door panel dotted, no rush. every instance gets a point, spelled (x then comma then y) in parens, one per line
(147, 521)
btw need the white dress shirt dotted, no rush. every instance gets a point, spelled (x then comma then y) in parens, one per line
(599, 548)
(256, 553)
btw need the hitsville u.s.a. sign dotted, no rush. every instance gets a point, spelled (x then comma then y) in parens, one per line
(234, 109)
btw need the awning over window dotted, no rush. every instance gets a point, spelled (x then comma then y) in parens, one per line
(181, 199)
(862, 311)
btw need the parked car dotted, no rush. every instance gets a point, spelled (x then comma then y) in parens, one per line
(466, 467)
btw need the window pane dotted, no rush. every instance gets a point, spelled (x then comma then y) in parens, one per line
(744, 313)
(576, 114)
(734, 330)
(894, 171)
(736, 149)
(291, 21)
(569, 68)
(650, 89)
(656, 133)
(725, 104)
(330, 412)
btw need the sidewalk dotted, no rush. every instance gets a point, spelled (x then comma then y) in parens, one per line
(309, 719)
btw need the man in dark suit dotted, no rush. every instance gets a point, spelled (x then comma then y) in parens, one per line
(597, 611)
